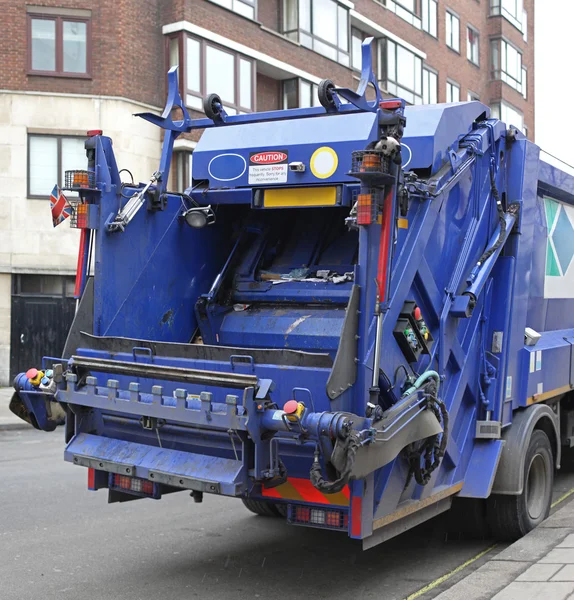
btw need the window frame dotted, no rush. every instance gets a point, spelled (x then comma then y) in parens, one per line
(428, 3)
(470, 28)
(430, 71)
(383, 74)
(452, 15)
(59, 181)
(202, 92)
(364, 36)
(472, 96)
(67, 283)
(59, 48)
(496, 106)
(252, 3)
(497, 72)
(414, 18)
(454, 84)
(497, 10)
(314, 98)
(298, 30)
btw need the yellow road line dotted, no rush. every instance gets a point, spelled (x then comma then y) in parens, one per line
(562, 498)
(443, 578)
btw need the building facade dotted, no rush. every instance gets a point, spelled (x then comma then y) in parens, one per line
(72, 65)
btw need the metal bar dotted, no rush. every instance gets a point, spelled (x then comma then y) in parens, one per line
(236, 380)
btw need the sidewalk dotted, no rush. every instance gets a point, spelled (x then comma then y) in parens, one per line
(540, 566)
(8, 420)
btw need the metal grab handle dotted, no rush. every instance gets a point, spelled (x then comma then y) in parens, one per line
(308, 392)
(141, 350)
(241, 358)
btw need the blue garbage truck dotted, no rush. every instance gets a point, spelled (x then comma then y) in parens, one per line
(358, 314)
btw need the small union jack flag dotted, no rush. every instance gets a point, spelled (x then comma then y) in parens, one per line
(60, 206)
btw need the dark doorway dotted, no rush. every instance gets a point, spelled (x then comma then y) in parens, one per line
(43, 308)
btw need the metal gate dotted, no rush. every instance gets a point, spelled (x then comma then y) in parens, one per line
(42, 311)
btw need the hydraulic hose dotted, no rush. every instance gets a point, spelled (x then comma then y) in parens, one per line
(353, 443)
(419, 382)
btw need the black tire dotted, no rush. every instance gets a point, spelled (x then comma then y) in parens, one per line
(511, 517)
(210, 107)
(263, 508)
(325, 94)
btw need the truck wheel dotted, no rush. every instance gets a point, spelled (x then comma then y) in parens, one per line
(210, 106)
(325, 93)
(511, 517)
(263, 508)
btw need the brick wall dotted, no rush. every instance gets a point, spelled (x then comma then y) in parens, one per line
(129, 50)
(126, 50)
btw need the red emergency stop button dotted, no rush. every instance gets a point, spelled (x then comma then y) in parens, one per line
(418, 315)
(291, 407)
(31, 373)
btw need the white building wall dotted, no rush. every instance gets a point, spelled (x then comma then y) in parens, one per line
(28, 242)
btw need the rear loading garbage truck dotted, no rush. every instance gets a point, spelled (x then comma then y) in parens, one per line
(357, 314)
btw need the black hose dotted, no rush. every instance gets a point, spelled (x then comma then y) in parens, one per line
(353, 442)
(501, 217)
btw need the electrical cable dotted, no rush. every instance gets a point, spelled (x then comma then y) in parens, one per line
(352, 443)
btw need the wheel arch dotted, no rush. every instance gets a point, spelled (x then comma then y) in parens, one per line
(509, 477)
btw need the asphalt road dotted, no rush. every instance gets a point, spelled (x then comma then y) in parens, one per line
(59, 540)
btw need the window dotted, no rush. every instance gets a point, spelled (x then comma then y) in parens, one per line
(211, 69)
(524, 82)
(452, 92)
(506, 63)
(299, 93)
(183, 163)
(525, 25)
(452, 31)
(241, 7)
(429, 14)
(45, 285)
(357, 38)
(508, 114)
(407, 10)
(401, 73)
(472, 96)
(58, 46)
(321, 25)
(511, 10)
(430, 86)
(472, 46)
(48, 157)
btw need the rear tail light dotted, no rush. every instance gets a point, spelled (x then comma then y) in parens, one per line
(133, 485)
(318, 517)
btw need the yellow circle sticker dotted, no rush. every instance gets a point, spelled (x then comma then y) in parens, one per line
(324, 162)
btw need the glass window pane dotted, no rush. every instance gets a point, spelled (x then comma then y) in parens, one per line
(289, 15)
(290, 93)
(245, 83)
(405, 68)
(325, 20)
(73, 155)
(433, 91)
(449, 29)
(74, 46)
(225, 3)
(391, 61)
(173, 52)
(192, 65)
(43, 45)
(356, 42)
(305, 15)
(243, 9)
(194, 102)
(433, 18)
(455, 34)
(305, 100)
(325, 49)
(343, 27)
(220, 73)
(43, 161)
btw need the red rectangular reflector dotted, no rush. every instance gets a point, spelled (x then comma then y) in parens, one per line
(91, 479)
